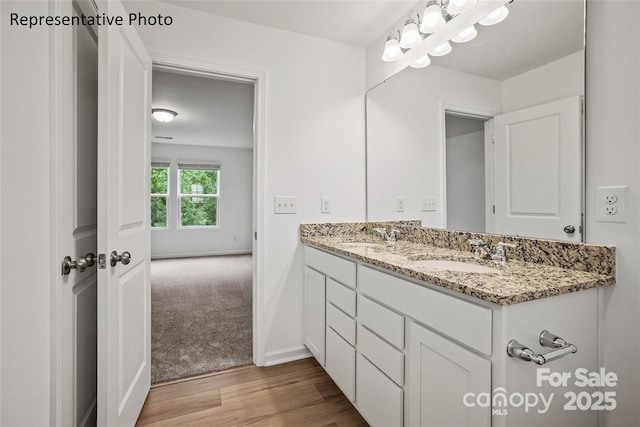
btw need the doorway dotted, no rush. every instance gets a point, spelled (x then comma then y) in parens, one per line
(466, 172)
(201, 224)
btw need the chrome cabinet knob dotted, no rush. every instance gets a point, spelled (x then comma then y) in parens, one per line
(125, 258)
(569, 229)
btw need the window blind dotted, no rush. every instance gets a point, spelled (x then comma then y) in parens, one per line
(159, 164)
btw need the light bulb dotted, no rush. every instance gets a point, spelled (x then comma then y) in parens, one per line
(456, 7)
(465, 35)
(432, 19)
(441, 50)
(421, 62)
(163, 115)
(392, 51)
(495, 17)
(410, 36)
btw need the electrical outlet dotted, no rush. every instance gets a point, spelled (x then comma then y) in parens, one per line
(325, 204)
(285, 205)
(610, 203)
(400, 204)
(428, 204)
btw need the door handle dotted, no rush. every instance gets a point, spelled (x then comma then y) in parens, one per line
(124, 258)
(569, 229)
(81, 264)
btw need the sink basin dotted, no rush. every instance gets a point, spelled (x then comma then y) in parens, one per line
(459, 266)
(361, 245)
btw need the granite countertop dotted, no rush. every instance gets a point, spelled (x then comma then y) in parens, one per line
(515, 281)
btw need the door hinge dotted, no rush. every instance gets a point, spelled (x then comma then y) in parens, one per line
(102, 261)
(255, 235)
(494, 209)
(493, 139)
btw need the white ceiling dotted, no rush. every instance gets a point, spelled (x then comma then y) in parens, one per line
(355, 22)
(211, 112)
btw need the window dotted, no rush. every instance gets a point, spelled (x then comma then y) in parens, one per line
(198, 196)
(159, 194)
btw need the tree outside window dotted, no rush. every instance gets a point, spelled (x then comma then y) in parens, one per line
(159, 194)
(203, 180)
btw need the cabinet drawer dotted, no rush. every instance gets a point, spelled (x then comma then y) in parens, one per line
(380, 401)
(386, 358)
(338, 268)
(342, 297)
(341, 363)
(344, 325)
(381, 320)
(466, 322)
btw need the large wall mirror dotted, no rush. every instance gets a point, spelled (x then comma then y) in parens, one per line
(488, 138)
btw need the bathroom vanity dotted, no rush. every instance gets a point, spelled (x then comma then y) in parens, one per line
(415, 332)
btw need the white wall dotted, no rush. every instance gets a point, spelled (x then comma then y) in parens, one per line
(314, 137)
(465, 193)
(233, 235)
(405, 131)
(613, 158)
(557, 80)
(26, 228)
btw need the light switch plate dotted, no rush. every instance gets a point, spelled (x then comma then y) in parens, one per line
(400, 204)
(325, 204)
(285, 205)
(428, 204)
(610, 203)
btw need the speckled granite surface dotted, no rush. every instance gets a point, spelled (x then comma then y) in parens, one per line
(537, 269)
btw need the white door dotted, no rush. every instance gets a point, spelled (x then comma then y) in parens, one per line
(124, 333)
(440, 374)
(538, 170)
(78, 221)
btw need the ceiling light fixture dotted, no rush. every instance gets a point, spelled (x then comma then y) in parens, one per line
(163, 115)
(436, 16)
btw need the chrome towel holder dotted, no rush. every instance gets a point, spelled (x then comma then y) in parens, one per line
(559, 346)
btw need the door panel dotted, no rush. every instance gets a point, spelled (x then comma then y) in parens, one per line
(538, 170)
(124, 333)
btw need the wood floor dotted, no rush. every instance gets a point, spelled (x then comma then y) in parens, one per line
(292, 394)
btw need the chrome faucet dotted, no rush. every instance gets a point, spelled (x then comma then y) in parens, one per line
(391, 236)
(500, 253)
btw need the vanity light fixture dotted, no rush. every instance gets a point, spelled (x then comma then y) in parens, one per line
(392, 51)
(432, 19)
(458, 6)
(495, 17)
(441, 50)
(410, 35)
(421, 62)
(435, 17)
(163, 115)
(465, 35)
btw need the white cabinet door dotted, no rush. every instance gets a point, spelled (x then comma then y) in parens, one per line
(538, 170)
(314, 313)
(439, 375)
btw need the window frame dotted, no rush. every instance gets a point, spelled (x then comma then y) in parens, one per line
(212, 166)
(166, 196)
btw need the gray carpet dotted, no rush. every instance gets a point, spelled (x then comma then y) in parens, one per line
(200, 315)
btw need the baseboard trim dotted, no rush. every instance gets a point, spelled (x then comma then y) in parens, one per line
(286, 355)
(199, 254)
